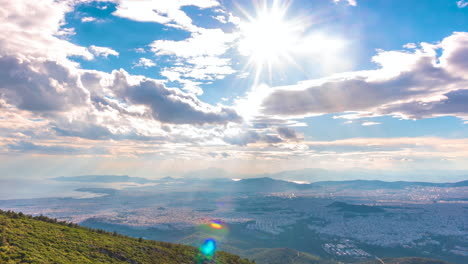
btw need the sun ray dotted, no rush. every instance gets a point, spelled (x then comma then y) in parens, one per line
(271, 40)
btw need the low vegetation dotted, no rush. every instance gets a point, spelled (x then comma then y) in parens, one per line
(27, 239)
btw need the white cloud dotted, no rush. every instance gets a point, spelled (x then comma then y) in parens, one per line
(234, 19)
(144, 62)
(462, 4)
(103, 51)
(164, 12)
(209, 42)
(191, 86)
(198, 57)
(88, 19)
(221, 19)
(171, 75)
(410, 46)
(405, 78)
(369, 123)
(140, 50)
(350, 2)
(30, 29)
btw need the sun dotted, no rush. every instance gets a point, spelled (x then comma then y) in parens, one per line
(269, 37)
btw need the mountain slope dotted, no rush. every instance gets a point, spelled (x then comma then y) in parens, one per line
(24, 239)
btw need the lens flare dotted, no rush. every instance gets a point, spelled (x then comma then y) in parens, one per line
(216, 225)
(208, 248)
(217, 232)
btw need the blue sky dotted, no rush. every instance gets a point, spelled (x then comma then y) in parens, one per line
(250, 86)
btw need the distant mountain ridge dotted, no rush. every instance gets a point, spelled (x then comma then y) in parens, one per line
(263, 184)
(367, 184)
(317, 175)
(103, 179)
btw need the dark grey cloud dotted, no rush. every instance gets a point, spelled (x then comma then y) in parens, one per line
(89, 131)
(171, 105)
(455, 103)
(51, 88)
(262, 122)
(272, 139)
(286, 132)
(243, 139)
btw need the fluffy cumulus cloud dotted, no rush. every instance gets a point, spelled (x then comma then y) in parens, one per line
(40, 86)
(209, 42)
(199, 58)
(145, 63)
(408, 84)
(46, 96)
(170, 105)
(454, 103)
(103, 51)
(32, 30)
(162, 11)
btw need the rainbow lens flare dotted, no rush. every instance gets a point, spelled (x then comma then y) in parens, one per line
(216, 225)
(209, 247)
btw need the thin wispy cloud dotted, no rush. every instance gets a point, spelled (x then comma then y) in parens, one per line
(462, 4)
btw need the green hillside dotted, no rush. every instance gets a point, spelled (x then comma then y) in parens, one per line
(26, 239)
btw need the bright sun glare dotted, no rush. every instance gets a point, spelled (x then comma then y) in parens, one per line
(269, 38)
